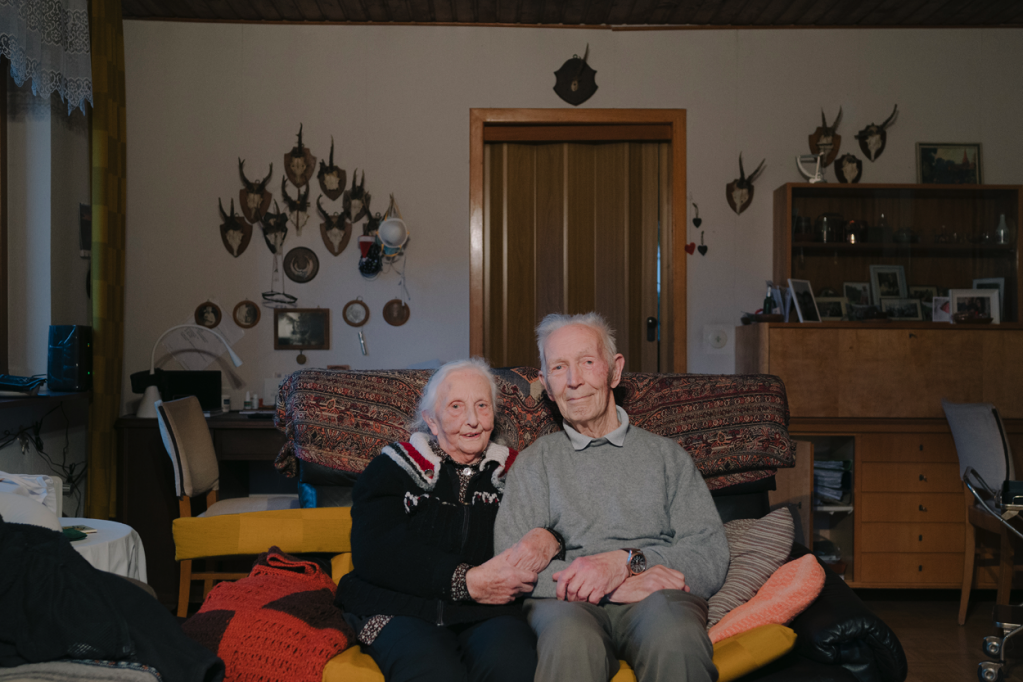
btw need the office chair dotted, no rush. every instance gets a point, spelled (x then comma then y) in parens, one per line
(981, 444)
(196, 472)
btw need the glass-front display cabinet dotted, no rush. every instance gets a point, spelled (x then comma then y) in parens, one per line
(867, 248)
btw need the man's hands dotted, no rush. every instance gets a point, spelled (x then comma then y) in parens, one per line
(589, 578)
(639, 587)
(498, 581)
(534, 551)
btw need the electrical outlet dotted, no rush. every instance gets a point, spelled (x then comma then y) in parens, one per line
(717, 339)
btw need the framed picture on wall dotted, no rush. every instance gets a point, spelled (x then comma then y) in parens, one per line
(301, 329)
(948, 163)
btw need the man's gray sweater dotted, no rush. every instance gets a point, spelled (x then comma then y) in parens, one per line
(645, 493)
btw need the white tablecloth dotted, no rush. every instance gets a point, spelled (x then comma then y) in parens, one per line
(114, 547)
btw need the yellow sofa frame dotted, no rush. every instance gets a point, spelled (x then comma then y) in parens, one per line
(328, 529)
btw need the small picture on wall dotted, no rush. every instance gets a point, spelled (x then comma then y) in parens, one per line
(802, 300)
(301, 329)
(976, 303)
(857, 293)
(902, 308)
(945, 163)
(887, 281)
(246, 314)
(832, 308)
(208, 315)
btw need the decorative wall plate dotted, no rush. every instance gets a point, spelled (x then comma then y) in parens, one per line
(356, 313)
(246, 314)
(396, 312)
(301, 264)
(208, 314)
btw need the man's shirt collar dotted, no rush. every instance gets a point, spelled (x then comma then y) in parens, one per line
(616, 437)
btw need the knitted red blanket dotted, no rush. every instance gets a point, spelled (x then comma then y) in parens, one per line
(279, 623)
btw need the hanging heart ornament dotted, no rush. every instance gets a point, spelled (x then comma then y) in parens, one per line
(690, 248)
(702, 248)
(697, 221)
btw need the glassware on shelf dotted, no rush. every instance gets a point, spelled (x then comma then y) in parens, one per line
(1005, 232)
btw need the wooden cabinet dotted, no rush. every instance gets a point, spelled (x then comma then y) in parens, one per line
(943, 236)
(878, 385)
(907, 527)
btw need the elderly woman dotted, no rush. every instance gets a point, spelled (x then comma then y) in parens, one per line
(428, 599)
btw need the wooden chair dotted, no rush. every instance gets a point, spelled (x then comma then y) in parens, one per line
(196, 472)
(981, 444)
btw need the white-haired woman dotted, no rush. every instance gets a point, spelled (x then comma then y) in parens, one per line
(428, 598)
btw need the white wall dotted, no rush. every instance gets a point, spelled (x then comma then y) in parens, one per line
(397, 100)
(48, 177)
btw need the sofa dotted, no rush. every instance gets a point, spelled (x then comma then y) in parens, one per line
(734, 427)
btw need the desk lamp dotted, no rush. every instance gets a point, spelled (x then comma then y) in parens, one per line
(147, 408)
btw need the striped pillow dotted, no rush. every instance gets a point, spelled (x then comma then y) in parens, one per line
(757, 548)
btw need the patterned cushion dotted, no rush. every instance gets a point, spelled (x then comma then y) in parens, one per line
(784, 596)
(757, 548)
(733, 426)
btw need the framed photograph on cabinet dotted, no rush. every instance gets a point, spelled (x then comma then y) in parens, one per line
(925, 295)
(976, 303)
(301, 329)
(948, 163)
(802, 300)
(887, 281)
(993, 283)
(857, 293)
(902, 309)
(832, 308)
(941, 309)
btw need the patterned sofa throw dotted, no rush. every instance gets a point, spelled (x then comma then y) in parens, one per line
(733, 426)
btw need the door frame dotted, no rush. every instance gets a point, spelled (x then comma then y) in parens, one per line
(675, 119)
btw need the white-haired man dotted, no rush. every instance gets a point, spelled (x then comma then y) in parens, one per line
(636, 540)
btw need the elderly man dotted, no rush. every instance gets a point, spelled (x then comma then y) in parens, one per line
(633, 544)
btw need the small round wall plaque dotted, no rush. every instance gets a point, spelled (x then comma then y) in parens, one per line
(356, 313)
(301, 264)
(208, 314)
(396, 312)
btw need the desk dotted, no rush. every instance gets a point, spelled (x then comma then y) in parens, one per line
(114, 547)
(145, 482)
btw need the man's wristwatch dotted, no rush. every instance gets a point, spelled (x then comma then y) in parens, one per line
(636, 561)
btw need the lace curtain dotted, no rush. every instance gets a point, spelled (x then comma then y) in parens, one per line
(48, 41)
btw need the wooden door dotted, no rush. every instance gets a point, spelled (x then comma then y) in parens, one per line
(575, 227)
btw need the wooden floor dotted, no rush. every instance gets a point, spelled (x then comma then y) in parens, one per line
(937, 648)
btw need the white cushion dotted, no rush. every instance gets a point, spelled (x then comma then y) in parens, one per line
(16, 508)
(42, 488)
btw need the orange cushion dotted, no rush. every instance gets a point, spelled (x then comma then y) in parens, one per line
(791, 589)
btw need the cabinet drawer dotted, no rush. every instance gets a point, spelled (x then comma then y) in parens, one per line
(911, 537)
(918, 568)
(911, 507)
(917, 477)
(907, 447)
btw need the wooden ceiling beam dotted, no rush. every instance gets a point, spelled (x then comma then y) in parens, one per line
(925, 13)
(753, 13)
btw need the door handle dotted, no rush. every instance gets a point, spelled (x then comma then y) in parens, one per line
(651, 329)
